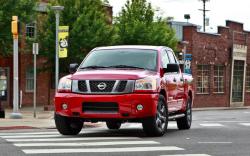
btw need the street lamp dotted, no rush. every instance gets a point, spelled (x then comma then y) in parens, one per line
(57, 10)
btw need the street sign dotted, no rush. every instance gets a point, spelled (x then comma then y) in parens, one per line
(35, 49)
(63, 41)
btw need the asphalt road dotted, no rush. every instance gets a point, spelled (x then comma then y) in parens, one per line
(213, 133)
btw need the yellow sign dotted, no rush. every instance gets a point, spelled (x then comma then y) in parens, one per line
(63, 41)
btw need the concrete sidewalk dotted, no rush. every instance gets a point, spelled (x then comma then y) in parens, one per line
(43, 120)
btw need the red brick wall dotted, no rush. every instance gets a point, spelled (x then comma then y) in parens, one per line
(215, 49)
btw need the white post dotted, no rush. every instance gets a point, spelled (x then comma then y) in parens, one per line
(15, 114)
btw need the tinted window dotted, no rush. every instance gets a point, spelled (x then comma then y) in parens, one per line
(171, 57)
(146, 59)
(164, 59)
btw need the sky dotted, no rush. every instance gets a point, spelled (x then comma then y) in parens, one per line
(220, 11)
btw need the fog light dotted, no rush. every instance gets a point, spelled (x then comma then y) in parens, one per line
(139, 107)
(65, 106)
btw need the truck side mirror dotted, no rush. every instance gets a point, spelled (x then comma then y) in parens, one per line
(73, 67)
(172, 68)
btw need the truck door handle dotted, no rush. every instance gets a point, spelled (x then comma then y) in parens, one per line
(174, 79)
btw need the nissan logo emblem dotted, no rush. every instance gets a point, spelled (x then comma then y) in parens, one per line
(102, 86)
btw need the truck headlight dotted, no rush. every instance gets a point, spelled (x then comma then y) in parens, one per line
(145, 84)
(64, 85)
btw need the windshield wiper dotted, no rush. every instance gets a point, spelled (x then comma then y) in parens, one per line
(125, 66)
(92, 67)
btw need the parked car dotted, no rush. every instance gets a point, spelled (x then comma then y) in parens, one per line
(119, 84)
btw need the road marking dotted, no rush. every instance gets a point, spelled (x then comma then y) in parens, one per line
(212, 125)
(102, 150)
(214, 142)
(247, 112)
(224, 121)
(31, 136)
(71, 139)
(28, 133)
(87, 143)
(245, 124)
(188, 155)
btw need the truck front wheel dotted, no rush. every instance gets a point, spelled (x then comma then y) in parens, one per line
(157, 125)
(67, 125)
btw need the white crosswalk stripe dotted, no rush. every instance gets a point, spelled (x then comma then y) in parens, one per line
(51, 142)
(188, 155)
(212, 125)
(245, 124)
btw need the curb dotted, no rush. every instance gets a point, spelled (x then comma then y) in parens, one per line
(220, 108)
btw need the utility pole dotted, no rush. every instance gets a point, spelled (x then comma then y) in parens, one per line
(14, 29)
(35, 52)
(57, 10)
(204, 13)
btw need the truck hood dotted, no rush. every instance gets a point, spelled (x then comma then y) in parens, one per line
(112, 74)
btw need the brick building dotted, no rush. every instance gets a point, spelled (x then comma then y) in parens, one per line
(220, 65)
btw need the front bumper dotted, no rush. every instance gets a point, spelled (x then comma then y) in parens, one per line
(127, 104)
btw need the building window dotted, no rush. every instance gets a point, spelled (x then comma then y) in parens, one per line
(30, 30)
(29, 80)
(203, 79)
(248, 79)
(218, 79)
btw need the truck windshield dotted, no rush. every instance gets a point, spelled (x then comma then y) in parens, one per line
(121, 58)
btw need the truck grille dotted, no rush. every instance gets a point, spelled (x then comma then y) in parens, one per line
(102, 86)
(100, 107)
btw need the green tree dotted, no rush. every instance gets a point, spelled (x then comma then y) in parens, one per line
(136, 25)
(25, 11)
(88, 28)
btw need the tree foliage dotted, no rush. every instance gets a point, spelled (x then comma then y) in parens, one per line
(25, 11)
(88, 28)
(136, 25)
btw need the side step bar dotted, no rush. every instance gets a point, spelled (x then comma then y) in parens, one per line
(176, 116)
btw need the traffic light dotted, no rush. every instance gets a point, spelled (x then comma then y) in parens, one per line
(14, 25)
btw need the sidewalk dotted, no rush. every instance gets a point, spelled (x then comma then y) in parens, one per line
(43, 120)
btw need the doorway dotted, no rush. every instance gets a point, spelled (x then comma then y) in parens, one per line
(238, 81)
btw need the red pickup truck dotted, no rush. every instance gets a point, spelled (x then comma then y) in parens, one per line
(119, 84)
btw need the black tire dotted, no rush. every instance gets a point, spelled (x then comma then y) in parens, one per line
(113, 124)
(67, 125)
(157, 126)
(186, 121)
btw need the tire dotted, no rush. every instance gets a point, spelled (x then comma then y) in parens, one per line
(113, 124)
(186, 121)
(157, 125)
(67, 125)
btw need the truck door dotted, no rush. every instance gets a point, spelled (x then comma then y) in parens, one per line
(169, 82)
(179, 83)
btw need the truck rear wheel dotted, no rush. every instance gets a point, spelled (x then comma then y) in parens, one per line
(186, 121)
(113, 124)
(157, 125)
(67, 125)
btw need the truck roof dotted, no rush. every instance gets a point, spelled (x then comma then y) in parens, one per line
(132, 47)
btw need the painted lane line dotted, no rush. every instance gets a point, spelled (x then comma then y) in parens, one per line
(212, 125)
(245, 124)
(71, 139)
(188, 155)
(102, 150)
(87, 144)
(28, 133)
(223, 121)
(31, 136)
(214, 142)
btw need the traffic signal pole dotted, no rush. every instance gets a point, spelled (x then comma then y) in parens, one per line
(14, 28)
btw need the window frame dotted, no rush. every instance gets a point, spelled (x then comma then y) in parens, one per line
(203, 77)
(29, 79)
(247, 82)
(218, 76)
(28, 26)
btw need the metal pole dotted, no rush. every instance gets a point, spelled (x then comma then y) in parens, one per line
(57, 49)
(34, 98)
(15, 114)
(204, 15)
